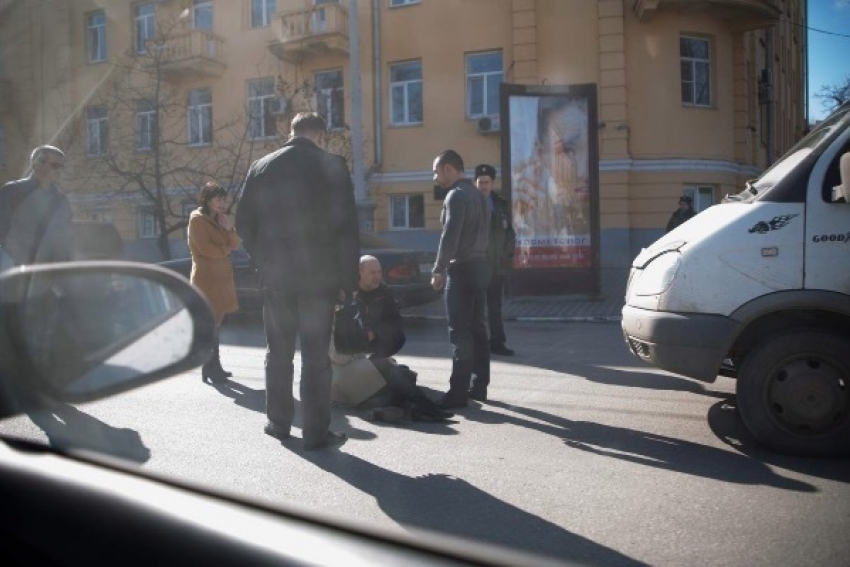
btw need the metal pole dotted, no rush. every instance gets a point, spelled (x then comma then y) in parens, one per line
(364, 208)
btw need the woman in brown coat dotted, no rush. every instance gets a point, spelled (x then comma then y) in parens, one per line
(211, 239)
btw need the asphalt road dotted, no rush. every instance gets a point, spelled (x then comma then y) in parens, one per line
(583, 454)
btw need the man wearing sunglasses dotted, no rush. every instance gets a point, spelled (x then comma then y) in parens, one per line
(35, 215)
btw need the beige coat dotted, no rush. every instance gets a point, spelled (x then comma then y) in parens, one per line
(212, 272)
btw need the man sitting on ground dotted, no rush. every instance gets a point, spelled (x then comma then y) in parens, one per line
(370, 378)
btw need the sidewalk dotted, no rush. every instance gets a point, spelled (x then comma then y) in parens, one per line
(606, 306)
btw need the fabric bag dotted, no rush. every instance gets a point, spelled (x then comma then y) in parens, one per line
(350, 334)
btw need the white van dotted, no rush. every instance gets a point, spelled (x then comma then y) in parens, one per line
(758, 288)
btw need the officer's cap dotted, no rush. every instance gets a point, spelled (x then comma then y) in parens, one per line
(485, 169)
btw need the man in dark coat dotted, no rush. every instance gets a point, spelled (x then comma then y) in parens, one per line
(462, 267)
(683, 213)
(35, 215)
(500, 252)
(298, 221)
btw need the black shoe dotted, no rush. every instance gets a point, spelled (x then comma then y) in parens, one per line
(501, 349)
(478, 394)
(453, 400)
(421, 414)
(387, 414)
(215, 375)
(276, 431)
(331, 440)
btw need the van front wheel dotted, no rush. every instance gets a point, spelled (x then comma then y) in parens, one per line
(793, 393)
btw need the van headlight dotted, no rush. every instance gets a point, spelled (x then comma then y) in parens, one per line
(658, 274)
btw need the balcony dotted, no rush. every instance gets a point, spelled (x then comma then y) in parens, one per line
(196, 52)
(742, 14)
(5, 95)
(303, 34)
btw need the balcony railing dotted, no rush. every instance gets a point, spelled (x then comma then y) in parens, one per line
(742, 14)
(302, 34)
(194, 51)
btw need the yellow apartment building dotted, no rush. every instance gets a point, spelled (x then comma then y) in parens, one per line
(150, 99)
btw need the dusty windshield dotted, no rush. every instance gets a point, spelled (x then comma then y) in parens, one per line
(481, 173)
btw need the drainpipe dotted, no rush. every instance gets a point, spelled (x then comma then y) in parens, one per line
(365, 208)
(771, 124)
(376, 72)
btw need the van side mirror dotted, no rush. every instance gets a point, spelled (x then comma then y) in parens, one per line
(841, 193)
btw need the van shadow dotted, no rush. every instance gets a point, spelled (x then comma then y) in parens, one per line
(450, 505)
(640, 447)
(67, 428)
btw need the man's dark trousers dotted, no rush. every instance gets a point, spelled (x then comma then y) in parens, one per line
(466, 304)
(494, 310)
(308, 315)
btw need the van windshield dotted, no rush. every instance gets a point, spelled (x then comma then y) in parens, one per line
(822, 132)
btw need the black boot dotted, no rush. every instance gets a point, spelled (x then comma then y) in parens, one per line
(212, 371)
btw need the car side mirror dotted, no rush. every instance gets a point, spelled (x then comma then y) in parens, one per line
(80, 331)
(842, 192)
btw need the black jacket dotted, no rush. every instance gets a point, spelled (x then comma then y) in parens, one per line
(35, 223)
(297, 219)
(678, 217)
(380, 314)
(502, 239)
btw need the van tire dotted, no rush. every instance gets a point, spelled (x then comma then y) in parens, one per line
(793, 393)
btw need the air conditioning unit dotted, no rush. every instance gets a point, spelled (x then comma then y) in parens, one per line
(489, 125)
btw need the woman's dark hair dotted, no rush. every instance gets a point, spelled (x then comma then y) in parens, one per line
(210, 191)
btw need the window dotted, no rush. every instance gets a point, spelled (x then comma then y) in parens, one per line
(263, 107)
(200, 117)
(97, 130)
(148, 227)
(3, 159)
(202, 14)
(145, 125)
(695, 60)
(483, 76)
(406, 93)
(97, 37)
(145, 26)
(702, 195)
(403, 2)
(330, 98)
(261, 12)
(407, 211)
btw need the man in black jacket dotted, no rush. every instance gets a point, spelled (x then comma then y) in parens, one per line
(35, 216)
(298, 221)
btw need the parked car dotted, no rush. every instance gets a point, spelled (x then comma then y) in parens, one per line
(407, 272)
(64, 506)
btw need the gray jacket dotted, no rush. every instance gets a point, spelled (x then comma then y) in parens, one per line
(35, 223)
(466, 226)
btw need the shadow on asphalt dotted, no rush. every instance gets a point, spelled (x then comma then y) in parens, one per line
(642, 448)
(451, 505)
(67, 427)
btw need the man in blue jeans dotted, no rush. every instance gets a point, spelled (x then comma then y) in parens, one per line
(463, 269)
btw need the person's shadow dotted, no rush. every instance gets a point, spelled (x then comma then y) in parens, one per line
(643, 448)
(450, 505)
(67, 428)
(243, 396)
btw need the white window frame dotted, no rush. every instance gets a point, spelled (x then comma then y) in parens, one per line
(267, 9)
(694, 64)
(145, 26)
(404, 86)
(483, 77)
(262, 108)
(145, 125)
(97, 36)
(400, 3)
(147, 226)
(702, 196)
(324, 99)
(97, 130)
(200, 7)
(404, 201)
(199, 115)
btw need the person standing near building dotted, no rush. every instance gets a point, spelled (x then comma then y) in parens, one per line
(683, 213)
(500, 252)
(463, 269)
(212, 237)
(35, 215)
(298, 222)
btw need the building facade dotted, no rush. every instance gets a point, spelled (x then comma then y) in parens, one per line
(151, 99)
